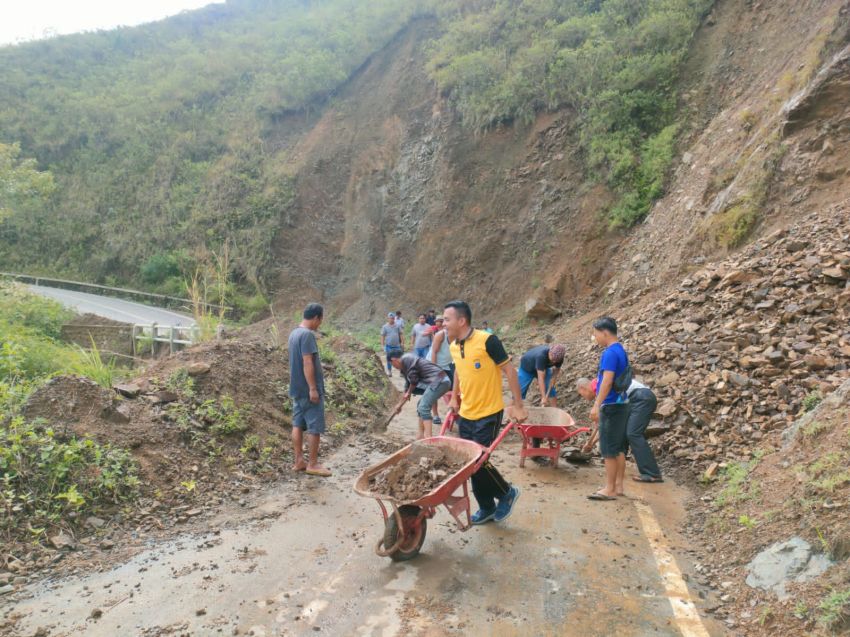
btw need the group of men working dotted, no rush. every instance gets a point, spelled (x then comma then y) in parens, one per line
(470, 363)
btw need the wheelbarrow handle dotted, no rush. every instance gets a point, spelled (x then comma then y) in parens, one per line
(485, 455)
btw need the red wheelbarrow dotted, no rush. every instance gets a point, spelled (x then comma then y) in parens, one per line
(552, 426)
(406, 524)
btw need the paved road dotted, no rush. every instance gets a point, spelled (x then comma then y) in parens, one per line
(561, 566)
(111, 308)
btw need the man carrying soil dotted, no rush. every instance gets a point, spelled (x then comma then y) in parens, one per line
(423, 377)
(480, 360)
(307, 390)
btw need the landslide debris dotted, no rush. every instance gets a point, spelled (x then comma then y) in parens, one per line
(737, 350)
(421, 471)
(208, 425)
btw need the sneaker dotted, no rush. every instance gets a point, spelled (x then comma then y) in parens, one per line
(543, 461)
(481, 516)
(506, 505)
(437, 420)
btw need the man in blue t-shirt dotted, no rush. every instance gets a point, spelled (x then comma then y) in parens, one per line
(610, 409)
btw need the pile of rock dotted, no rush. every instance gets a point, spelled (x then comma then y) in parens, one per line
(733, 352)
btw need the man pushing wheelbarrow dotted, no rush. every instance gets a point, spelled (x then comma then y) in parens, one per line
(480, 360)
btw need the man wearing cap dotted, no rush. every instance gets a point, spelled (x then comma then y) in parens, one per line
(538, 363)
(392, 339)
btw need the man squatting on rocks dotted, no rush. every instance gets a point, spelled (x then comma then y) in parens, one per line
(480, 360)
(610, 407)
(307, 390)
(642, 404)
(425, 378)
(392, 339)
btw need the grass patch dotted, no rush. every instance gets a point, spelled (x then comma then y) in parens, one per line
(833, 609)
(815, 428)
(812, 400)
(735, 478)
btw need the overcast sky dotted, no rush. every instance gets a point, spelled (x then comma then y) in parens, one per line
(33, 19)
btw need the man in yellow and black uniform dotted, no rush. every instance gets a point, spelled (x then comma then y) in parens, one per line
(480, 360)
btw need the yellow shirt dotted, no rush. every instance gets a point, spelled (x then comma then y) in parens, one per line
(477, 366)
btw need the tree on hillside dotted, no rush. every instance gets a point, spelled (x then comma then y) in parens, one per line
(22, 184)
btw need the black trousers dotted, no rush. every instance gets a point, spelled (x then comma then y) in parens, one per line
(488, 485)
(642, 403)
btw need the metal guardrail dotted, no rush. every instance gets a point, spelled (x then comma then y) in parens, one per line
(174, 335)
(79, 286)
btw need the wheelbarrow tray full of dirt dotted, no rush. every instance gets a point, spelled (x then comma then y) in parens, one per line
(405, 520)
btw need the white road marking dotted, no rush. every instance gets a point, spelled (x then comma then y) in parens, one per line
(685, 613)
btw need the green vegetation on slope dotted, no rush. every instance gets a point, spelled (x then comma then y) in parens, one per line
(166, 141)
(161, 137)
(43, 476)
(613, 62)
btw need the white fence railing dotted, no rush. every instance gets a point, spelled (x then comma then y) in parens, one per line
(145, 337)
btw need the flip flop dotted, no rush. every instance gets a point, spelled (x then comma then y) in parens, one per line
(322, 473)
(645, 479)
(297, 469)
(600, 496)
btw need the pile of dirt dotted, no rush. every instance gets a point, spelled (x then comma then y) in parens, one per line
(72, 404)
(424, 469)
(735, 352)
(206, 425)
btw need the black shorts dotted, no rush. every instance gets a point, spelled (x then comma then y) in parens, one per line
(612, 429)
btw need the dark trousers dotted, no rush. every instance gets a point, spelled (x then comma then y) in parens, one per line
(642, 403)
(488, 485)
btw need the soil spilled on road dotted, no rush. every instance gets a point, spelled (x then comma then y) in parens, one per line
(424, 469)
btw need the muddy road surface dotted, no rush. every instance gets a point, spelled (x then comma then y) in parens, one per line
(560, 565)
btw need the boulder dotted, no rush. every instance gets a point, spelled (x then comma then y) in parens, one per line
(198, 369)
(785, 562)
(539, 308)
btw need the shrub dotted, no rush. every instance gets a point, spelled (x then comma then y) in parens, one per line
(42, 477)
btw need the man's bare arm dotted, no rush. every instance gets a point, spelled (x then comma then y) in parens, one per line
(310, 377)
(436, 345)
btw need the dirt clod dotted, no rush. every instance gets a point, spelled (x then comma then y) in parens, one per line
(418, 473)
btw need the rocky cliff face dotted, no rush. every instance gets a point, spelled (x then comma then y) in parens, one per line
(403, 206)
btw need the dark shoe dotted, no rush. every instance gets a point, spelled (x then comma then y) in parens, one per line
(506, 505)
(541, 460)
(481, 516)
(437, 420)
(647, 479)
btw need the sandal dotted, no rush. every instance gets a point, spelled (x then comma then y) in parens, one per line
(647, 479)
(600, 496)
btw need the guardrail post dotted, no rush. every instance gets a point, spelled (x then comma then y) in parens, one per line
(153, 339)
(171, 339)
(133, 340)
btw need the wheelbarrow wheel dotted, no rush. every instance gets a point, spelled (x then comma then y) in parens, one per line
(414, 534)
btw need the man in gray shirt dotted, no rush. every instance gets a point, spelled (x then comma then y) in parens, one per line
(392, 339)
(421, 335)
(307, 390)
(425, 378)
